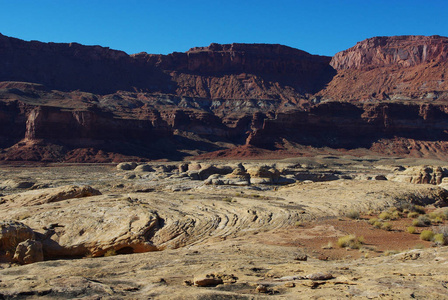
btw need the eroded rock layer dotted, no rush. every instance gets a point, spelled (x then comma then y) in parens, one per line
(75, 103)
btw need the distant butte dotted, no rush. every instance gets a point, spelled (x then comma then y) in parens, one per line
(75, 103)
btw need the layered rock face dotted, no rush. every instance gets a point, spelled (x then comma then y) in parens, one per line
(399, 51)
(351, 126)
(391, 68)
(217, 71)
(69, 102)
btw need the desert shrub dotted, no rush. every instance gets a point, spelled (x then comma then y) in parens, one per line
(385, 215)
(442, 233)
(110, 252)
(419, 209)
(438, 220)
(386, 226)
(411, 229)
(373, 220)
(413, 214)
(439, 239)
(395, 215)
(445, 213)
(378, 224)
(350, 241)
(405, 205)
(427, 235)
(436, 215)
(421, 221)
(352, 214)
(443, 230)
(371, 213)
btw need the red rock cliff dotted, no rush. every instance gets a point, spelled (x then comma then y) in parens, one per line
(411, 68)
(236, 71)
(398, 51)
(211, 98)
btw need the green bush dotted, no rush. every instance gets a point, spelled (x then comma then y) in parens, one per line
(411, 229)
(427, 235)
(439, 239)
(386, 226)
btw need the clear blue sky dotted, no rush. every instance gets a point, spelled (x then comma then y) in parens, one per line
(163, 26)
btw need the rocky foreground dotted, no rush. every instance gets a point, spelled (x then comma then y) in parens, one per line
(229, 230)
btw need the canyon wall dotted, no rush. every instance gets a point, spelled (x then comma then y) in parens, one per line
(401, 68)
(69, 102)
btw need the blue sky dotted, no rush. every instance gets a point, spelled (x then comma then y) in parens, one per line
(319, 27)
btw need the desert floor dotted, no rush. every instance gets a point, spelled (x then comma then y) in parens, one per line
(162, 233)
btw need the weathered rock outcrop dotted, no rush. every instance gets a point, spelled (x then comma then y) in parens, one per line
(421, 175)
(28, 252)
(49, 195)
(12, 233)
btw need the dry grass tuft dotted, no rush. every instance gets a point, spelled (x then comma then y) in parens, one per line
(350, 241)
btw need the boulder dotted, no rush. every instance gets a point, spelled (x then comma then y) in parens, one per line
(28, 252)
(11, 234)
(183, 168)
(208, 280)
(262, 289)
(320, 276)
(239, 172)
(37, 197)
(263, 174)
(126, 166)
(380, 177)
(165, 168)
(144, 168)
(224, 180)
(194, 175)
(208, 170)
(194, 167)
(90, 226)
